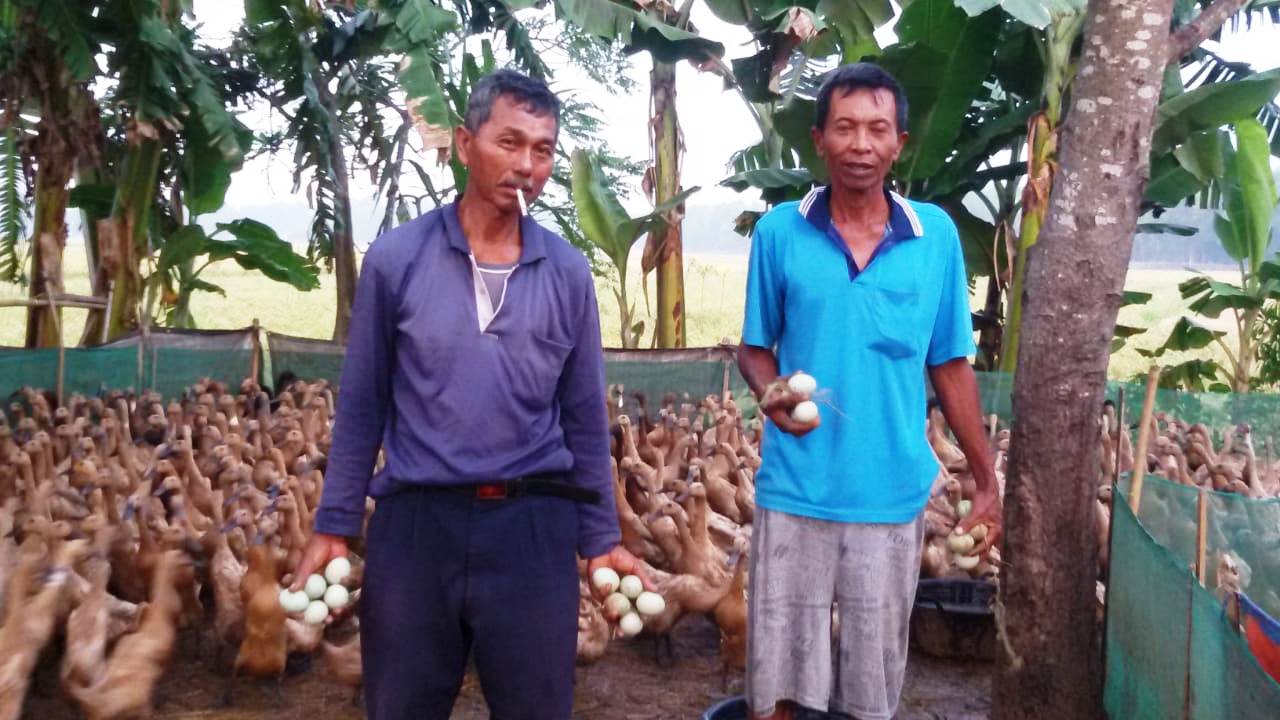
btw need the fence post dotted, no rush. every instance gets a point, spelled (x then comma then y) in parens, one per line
(62, 345)
(1120, 428)
(1139, 473)
(1202, 533)
(255, 354)
(144, 335)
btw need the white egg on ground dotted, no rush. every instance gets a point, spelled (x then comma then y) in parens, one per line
(337, 570)
(650, 603)
(316, 612)
(802, 383)
(617, 604)
(315, 587)
(605, 579)
(336, 597)
(805, 412)
(631, 587)
(631, 624)
(293, 602)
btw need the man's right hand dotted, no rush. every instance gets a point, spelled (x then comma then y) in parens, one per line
(321, 548)
(778, 402)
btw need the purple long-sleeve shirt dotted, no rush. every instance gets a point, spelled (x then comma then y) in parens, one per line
(452, 404)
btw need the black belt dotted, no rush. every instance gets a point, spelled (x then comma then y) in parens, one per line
(545, 485)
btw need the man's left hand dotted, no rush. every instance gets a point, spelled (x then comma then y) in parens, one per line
(622, 562)
(988, 511)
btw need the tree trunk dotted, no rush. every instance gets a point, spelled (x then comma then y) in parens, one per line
(344, 248)
(670, 260)
(122, 239)
(1074, 284)
(48, 238)
(99, 279)
(1247, 351)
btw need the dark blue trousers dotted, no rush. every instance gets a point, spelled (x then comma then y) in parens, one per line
(447, 574)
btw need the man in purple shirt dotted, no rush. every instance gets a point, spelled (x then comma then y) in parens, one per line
(474, 361)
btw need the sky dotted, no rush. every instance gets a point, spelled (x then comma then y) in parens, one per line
(715, 122)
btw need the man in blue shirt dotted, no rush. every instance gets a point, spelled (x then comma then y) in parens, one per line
(474, 362)
(865, 291)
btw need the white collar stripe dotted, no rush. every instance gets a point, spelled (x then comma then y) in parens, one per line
(910, 212)
(809, 198)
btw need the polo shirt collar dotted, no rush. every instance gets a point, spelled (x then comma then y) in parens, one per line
(533, 244)
(903, 221)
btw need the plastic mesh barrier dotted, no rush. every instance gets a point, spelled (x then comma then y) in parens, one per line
(1172, 652)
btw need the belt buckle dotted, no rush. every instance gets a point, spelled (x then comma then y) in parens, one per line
(491, 491)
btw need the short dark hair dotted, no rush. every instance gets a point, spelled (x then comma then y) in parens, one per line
(532, 93)
(858, 76)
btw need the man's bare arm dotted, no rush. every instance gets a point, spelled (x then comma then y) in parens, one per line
(957, 389)
(759, 367)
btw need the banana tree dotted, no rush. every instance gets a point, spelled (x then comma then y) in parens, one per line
(46, 63)
(1061, 23)
(1245, 233)
(251, 244)
(606, 224)
(308, 66)
(666, 33)
(178, 132)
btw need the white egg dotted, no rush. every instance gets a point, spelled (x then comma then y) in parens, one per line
(650, 603)
(293, 602)
(960, 543)
(315, 587)
(966, 562)
(336, 597)
(605, 579)
(802, 383)
(631, 624)
(805, 412)
(316, 612)
(337, 570)
(631, 587)
(617, 604)
(964, 507)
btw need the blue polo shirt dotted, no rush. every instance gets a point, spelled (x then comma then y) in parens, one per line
(867, 337)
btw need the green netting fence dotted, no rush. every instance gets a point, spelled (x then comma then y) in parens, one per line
(170, 360)
(163, 360)
(1172, 650)
(1260, 410)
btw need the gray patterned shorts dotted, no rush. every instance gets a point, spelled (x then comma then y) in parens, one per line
(804, 571)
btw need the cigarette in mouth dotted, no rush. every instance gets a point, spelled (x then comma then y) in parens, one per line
(524, 205)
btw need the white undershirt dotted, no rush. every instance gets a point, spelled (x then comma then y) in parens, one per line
(489, 280)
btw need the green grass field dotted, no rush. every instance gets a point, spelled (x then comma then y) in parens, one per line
(714, 287)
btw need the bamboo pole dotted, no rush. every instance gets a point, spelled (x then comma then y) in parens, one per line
(1120, 428)
(1202, 533)
(71, 301)
(256, 353)
(62, 345)
(1144, 436)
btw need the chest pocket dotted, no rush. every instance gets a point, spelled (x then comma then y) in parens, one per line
(535, 364)
(894, 311)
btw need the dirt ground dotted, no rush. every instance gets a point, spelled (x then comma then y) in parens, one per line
(626, 685)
